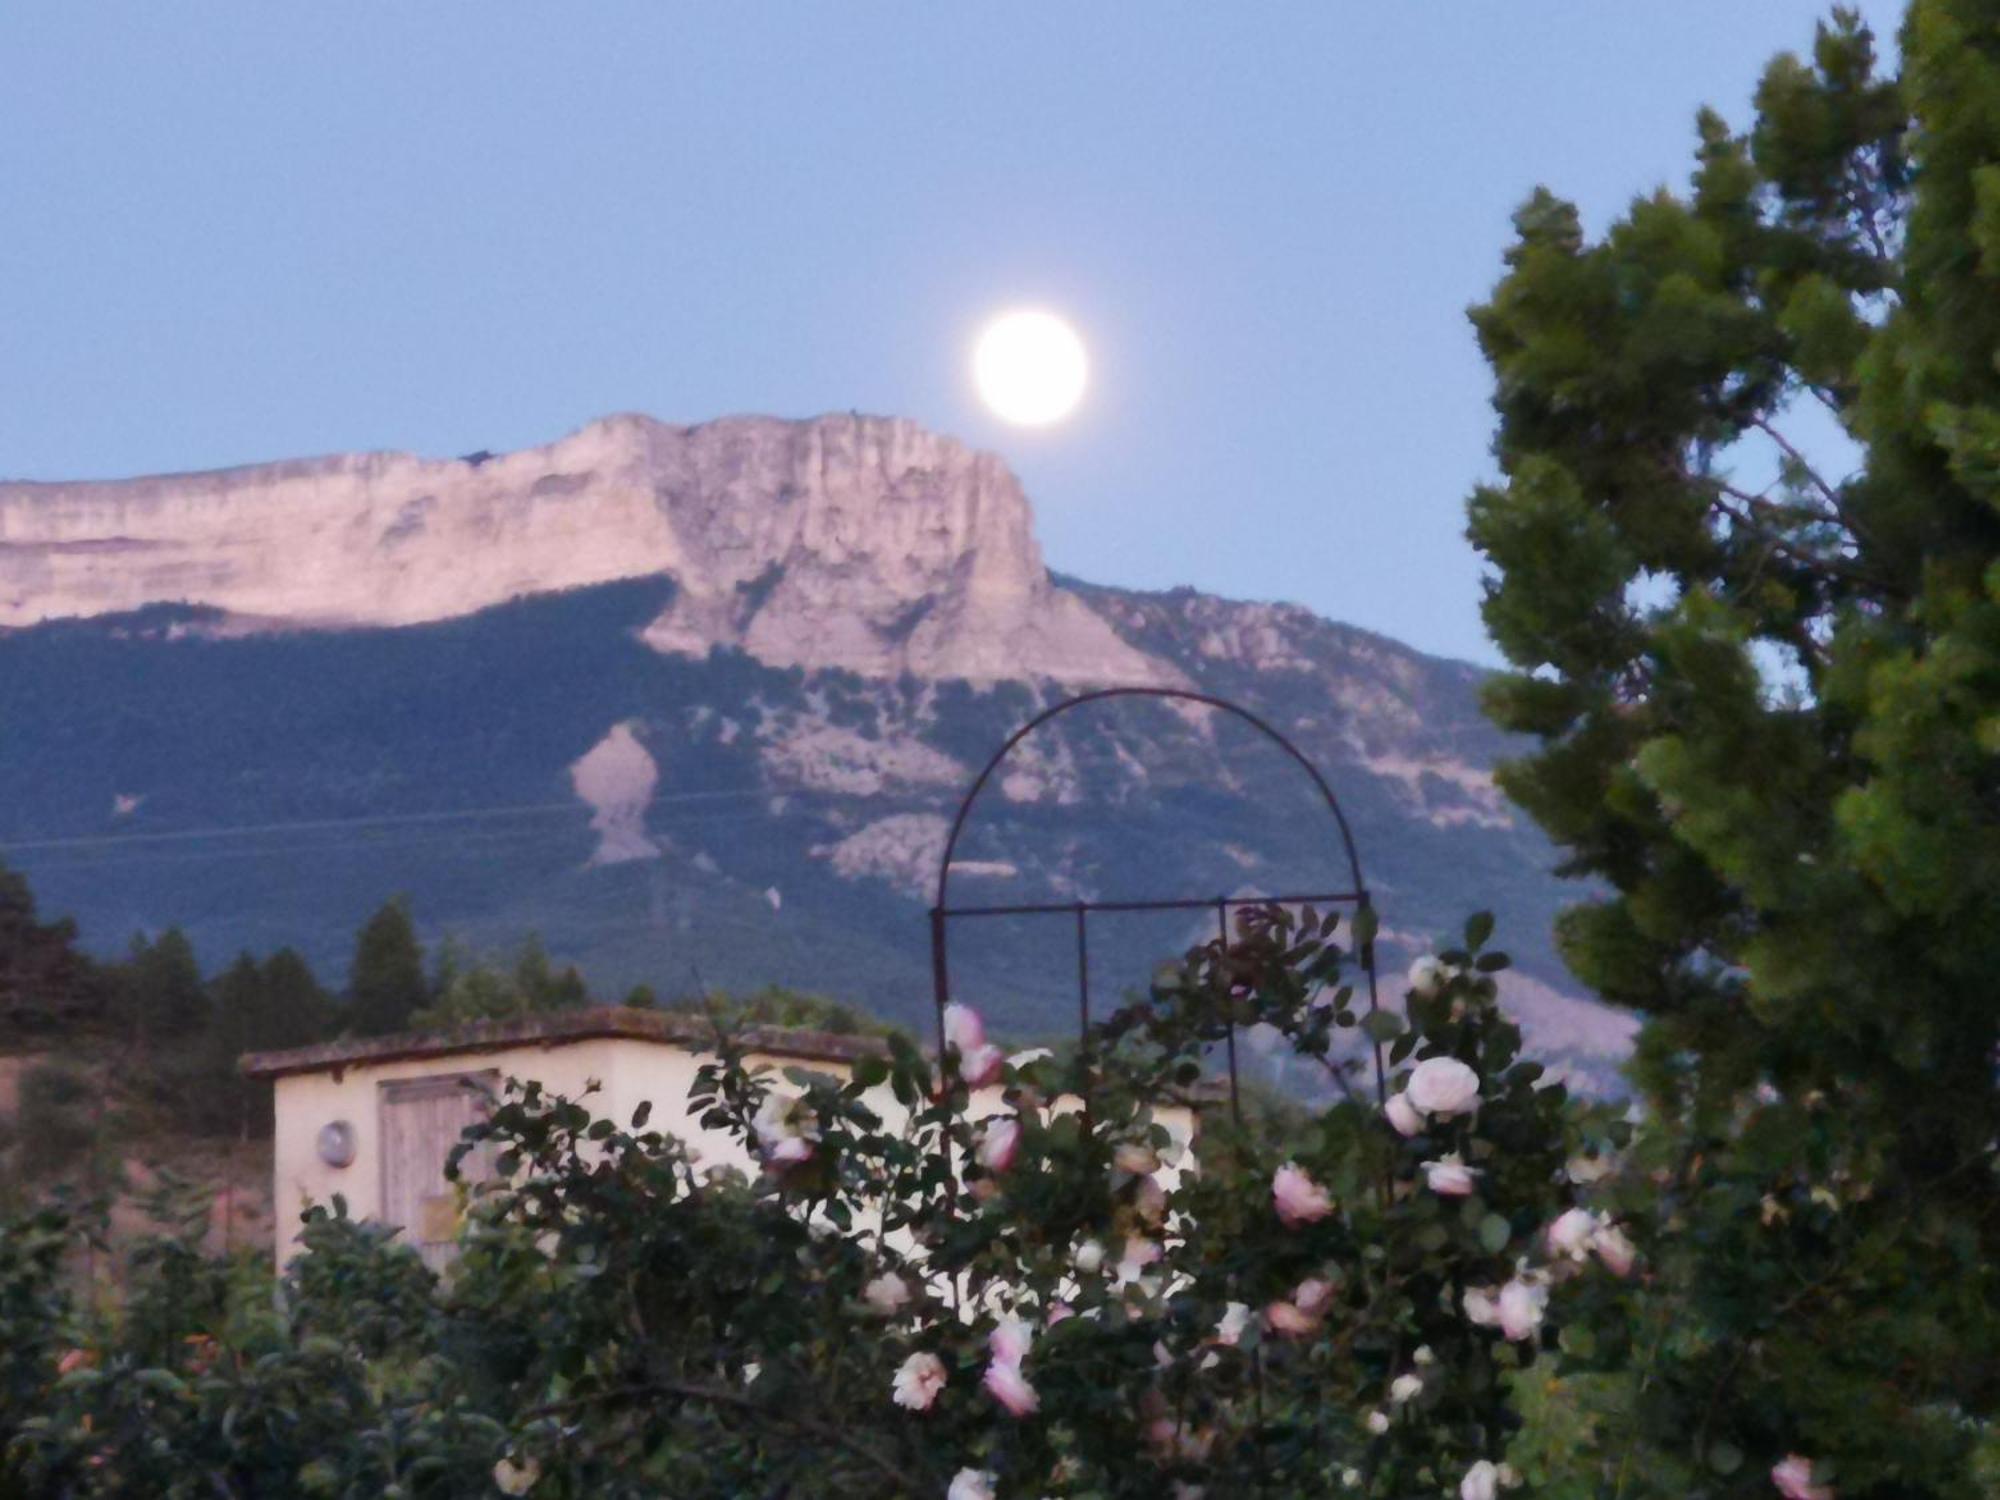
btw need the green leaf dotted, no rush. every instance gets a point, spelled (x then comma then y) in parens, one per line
(1725, 1458)
(1494, 1232)
(870, 1072)
(1382, 1025)
(642, 1114)
(1478, 928)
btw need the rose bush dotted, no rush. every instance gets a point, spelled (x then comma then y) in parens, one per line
(924, 1302)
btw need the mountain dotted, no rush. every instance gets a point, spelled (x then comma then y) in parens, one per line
(697, 704)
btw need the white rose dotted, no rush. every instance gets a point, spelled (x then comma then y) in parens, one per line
(1571, 1233)
(1614, 1249)
(1449, 1177)
(1378, 1422)
(917, 1381)
(1406, 1388)
(1427, 975)
(1481, 1482)
(512, 1476)
(1089, 1258)
(1584, 1170)
(1521, 1304)
(886, 1294)
(1482, 1306)
(971, 1484)
(1443, 1086)
(1403, 1115)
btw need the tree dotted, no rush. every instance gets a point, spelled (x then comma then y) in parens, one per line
(297, 1010)
(468, 988)
(257, 1008)
(46, 985)
(386, 984)
(1765, 681)
(161, 993)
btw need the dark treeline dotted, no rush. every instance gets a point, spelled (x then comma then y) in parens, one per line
(150, 1042)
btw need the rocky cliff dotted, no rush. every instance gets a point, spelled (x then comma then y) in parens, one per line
(855, 542)
(698, 704)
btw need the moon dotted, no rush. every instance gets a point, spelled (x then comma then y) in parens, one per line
(1030, 367)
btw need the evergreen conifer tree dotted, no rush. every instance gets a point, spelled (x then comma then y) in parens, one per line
(1746, 564)
(386, 985)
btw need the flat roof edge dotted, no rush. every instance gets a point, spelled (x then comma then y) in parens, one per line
(554, 1029)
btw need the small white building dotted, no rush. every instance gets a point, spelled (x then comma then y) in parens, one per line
(374, 1119)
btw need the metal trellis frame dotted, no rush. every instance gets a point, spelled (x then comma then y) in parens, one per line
(943, 912)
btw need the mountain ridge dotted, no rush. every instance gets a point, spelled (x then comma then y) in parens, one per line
(711, 802)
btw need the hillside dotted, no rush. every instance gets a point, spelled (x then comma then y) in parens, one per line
(677, 793)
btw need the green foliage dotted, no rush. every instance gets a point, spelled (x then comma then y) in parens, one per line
(469, 989)
(159, 994)
(777, 1006)
(1764, 691)
(47, 987)
(625, 1320)
(386, 985)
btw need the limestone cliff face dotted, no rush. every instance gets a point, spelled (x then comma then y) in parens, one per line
(844, 541)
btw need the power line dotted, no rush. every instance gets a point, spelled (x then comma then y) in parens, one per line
(382, 820)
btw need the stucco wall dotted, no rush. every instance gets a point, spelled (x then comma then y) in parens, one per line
(628, 1070)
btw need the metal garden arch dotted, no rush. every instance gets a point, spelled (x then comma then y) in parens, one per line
(943, 912)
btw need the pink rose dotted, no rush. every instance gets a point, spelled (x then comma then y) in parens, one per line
(1313, 1295)
(1009, 1341)
(1403, 1115)
(1794, 1479)
(918, 1381)
(1136, 1159)
(886, 1294)
(1614, 1249)
(1449, 1177)
(979, 1062)
(1007, 1385)
(1289, 1320)
(1298, 1198)
(1571, 1233)
(999, 1144)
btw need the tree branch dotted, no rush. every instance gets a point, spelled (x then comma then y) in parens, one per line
(1785, 446)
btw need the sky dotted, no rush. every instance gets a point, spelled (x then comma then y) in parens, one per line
(240, 231)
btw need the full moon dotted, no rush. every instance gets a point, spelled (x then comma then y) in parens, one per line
(1030, 368)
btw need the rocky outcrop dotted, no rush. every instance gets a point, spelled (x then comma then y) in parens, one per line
(845, 541)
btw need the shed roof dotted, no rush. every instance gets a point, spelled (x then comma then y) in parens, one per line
(556, 1029)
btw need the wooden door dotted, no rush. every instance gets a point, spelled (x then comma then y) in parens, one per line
(422, 1119)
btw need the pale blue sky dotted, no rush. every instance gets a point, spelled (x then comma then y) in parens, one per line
(239, 231)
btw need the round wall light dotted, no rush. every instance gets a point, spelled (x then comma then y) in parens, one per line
(336, 1143)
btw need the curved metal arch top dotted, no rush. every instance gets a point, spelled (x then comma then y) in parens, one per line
(1185, 695)
(1222, 905)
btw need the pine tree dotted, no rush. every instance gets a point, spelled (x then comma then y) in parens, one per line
(161, 994)
(386, 985)
(46, 985)
(1766, 692)
(297, 1010)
